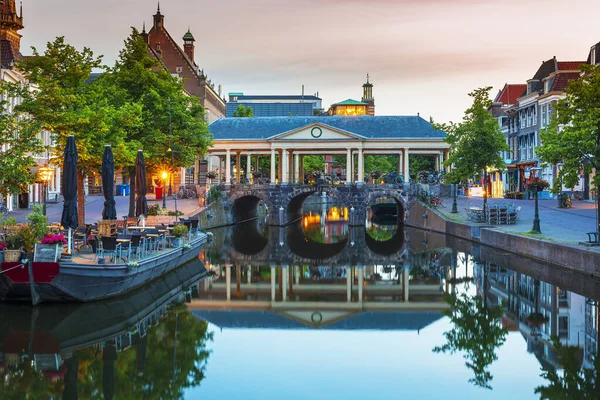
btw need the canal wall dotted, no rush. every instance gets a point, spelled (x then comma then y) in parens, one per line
(215, 215)
(571, 257)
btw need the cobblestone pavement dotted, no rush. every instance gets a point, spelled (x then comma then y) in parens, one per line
(95, 204)
(563, 225)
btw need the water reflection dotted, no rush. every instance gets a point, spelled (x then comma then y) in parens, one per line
(324, 220)
(145, 345)
(484, 298)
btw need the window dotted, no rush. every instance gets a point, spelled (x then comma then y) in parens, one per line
(543, 115)
(535, 115)
(563, 327)
(189, 176)
(529, 116)
(549, 112)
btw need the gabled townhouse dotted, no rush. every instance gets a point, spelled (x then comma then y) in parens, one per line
(531, 113)
(10, 52)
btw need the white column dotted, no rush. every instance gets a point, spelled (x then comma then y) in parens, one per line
(297, 275)
(209, 163)
(405, 283)
(272, 166)
(360, 283)
(400, 163)
(228, 281)
(284, 164)
(284, 282)
(228, 167)
(57, 180)
(360, 180)
(248, 166)
(352, 166)
(273, 281)
(348, 166)
(348, 284)
(238, 167)
(405, 161)
(249, 278)
(296, 167)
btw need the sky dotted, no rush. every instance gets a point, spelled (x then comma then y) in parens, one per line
(423, 56)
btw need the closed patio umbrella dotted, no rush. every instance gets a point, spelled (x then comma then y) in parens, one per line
(108, 184)
(141, 205)
(69, 188)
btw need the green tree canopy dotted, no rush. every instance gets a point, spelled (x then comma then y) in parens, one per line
(477, 332)
(172, 128)
(572, 139)
(21, 135)
(243, 112)
(314, 164)
(67, 104)
(476, 141)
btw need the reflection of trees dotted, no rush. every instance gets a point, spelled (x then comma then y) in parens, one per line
(477, 332)
(573, 382)
(381, 234)
(175, 359)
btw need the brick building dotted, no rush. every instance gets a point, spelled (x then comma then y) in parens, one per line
(180, 61)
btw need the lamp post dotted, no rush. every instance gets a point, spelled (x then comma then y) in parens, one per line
(536, 215)
(45, 173)
(164, 176)
(454, 204)
(172, 157)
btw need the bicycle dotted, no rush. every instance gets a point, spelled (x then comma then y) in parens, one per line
(184, 193)
(566, 201)
(3, 210)
(393, 178)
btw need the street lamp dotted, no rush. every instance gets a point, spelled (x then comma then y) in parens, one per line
(45, 174)
(454, 205)
(164, 177)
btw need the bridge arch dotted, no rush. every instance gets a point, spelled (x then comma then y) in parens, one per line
(294, 200)
(397, 195)
(244, 204)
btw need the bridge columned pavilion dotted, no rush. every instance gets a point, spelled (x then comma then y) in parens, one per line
(286, 140)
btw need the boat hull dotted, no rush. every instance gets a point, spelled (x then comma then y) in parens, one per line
(71, 282)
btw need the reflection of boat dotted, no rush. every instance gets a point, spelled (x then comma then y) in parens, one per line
(59, 329)
(77, 282)
(385, 209)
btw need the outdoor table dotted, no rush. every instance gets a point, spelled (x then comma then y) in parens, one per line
(124, 241)
(140, 228)
(478, 213)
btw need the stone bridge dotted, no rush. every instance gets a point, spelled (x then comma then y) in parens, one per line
(283, 203)
(255, 244)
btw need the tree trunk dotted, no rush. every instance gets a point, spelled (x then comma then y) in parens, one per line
(131, 213)
(485, 193)
(80, 199)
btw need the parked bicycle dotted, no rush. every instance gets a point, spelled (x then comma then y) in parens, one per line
(185, 193)
(432, 178)
(3, 210)
(393, 178)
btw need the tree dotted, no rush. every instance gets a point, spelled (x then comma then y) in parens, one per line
(380, 164)
(572, 138)
(421, 163)
(574, 382)
(21, 135)
(172, 129)
(314, 164)
(66, 104)
(476, 141)
(477, 332)
(243, 112)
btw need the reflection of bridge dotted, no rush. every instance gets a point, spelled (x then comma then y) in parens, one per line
(284, 202)
(248, 244)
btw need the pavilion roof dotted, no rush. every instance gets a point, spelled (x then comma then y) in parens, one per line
(378, 127)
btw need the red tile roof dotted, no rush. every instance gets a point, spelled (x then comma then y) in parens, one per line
(510, 93)
(569, 65)
(562, 79)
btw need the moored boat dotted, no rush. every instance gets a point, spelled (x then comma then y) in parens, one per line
(70, 281)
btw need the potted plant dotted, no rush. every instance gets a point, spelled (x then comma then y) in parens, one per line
(13, 247)
(536, 184)
(211, 175)
(179, 231)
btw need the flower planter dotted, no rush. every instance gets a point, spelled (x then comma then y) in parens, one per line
(12, 255)
(176, 242)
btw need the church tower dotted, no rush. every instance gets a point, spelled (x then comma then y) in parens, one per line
(10, 38)
(188, 44)
(368, 97)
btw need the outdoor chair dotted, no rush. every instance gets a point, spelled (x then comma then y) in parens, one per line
(109, 247)
(155, 240)
(596, 236)
(188, 223)
(503, 215)
(492, 215)
(194, 225)
(137, 246)
(513, 215)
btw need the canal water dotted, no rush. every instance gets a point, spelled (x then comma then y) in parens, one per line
(320, 310)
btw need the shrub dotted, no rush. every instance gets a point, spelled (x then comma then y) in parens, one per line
(154, 210)
(174, 214)
(38, 221)
(28, 235)
(13, 242)
(180, 231)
